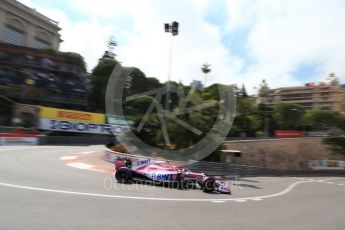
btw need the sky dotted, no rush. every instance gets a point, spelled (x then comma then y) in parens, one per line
(286, 42)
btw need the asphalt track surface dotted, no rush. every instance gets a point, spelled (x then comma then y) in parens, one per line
(38, 191)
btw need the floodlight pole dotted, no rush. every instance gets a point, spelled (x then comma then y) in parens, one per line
(173, 29)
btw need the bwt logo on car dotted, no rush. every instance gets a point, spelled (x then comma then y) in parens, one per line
(162, 176)
(143, 162)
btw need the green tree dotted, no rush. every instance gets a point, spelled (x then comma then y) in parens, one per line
(245, 120)
(324, 120)
(243, 91)
(211, 92)
(263, 89)
(99, 79)
(337, 144)
(76, 59)
(138, 106)
(288, 116)
(153, 83)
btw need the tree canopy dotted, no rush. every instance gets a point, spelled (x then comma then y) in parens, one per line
(263, 89)
(99, 80)
(288, 116)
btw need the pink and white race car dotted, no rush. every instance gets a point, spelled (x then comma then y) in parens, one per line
(161, 171)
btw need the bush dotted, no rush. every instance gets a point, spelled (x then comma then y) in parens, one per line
(337, 144)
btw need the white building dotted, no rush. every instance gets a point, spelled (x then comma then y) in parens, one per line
(23, 26)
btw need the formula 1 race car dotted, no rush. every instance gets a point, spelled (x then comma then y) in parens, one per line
(161, 171)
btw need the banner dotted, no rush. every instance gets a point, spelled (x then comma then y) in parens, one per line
(288, 134)
(119, 124)
(326, 164)
(81, 122)
(71, 115)
(75, 126)
(18, 139)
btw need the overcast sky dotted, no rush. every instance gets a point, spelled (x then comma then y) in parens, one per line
(286, 42)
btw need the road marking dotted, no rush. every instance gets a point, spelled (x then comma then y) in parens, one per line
(80, 165)
(329, 182)
(68, 158)
(71, 160)
(244, 199)
(321, 181)
(88, 152)
(218, 201)
(341, 184)
(257, 199)
(240, 200)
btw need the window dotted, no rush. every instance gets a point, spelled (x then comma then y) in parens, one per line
(14, 33)
(41, 41)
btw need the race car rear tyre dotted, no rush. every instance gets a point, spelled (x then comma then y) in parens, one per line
(209, 185)
(123, 175)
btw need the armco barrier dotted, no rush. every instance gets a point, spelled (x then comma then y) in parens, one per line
(224, 169)
(76, 140)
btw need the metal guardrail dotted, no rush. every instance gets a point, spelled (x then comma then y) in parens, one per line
(216, 168)
(75, 140)
(9, 129)
(223, 169)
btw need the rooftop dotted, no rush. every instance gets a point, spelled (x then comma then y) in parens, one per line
(33, 12)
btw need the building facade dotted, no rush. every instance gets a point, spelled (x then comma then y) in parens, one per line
(311, 96)
(23, 26)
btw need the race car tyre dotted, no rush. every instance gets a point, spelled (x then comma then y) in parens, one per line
(209, 185)
(123, 175)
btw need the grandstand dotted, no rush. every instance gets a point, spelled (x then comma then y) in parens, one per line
(42, 77)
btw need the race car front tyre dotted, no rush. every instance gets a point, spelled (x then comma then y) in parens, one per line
(209, 185)
(123, 175)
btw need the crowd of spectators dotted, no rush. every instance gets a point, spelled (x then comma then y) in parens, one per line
(42, 75)
(61, 83)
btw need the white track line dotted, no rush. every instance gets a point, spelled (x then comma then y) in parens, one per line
(240, 200)
(88, 152)
(80, 165)
(244, 199)
(68, 158)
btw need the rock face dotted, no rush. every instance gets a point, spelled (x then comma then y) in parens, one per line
(280, 153)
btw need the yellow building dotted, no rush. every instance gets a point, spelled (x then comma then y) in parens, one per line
(23, 26)
(311, 96)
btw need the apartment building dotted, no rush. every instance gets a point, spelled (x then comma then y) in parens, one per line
(311, 96)
(23, 26)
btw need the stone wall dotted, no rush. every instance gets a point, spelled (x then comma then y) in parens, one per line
(279, 153)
